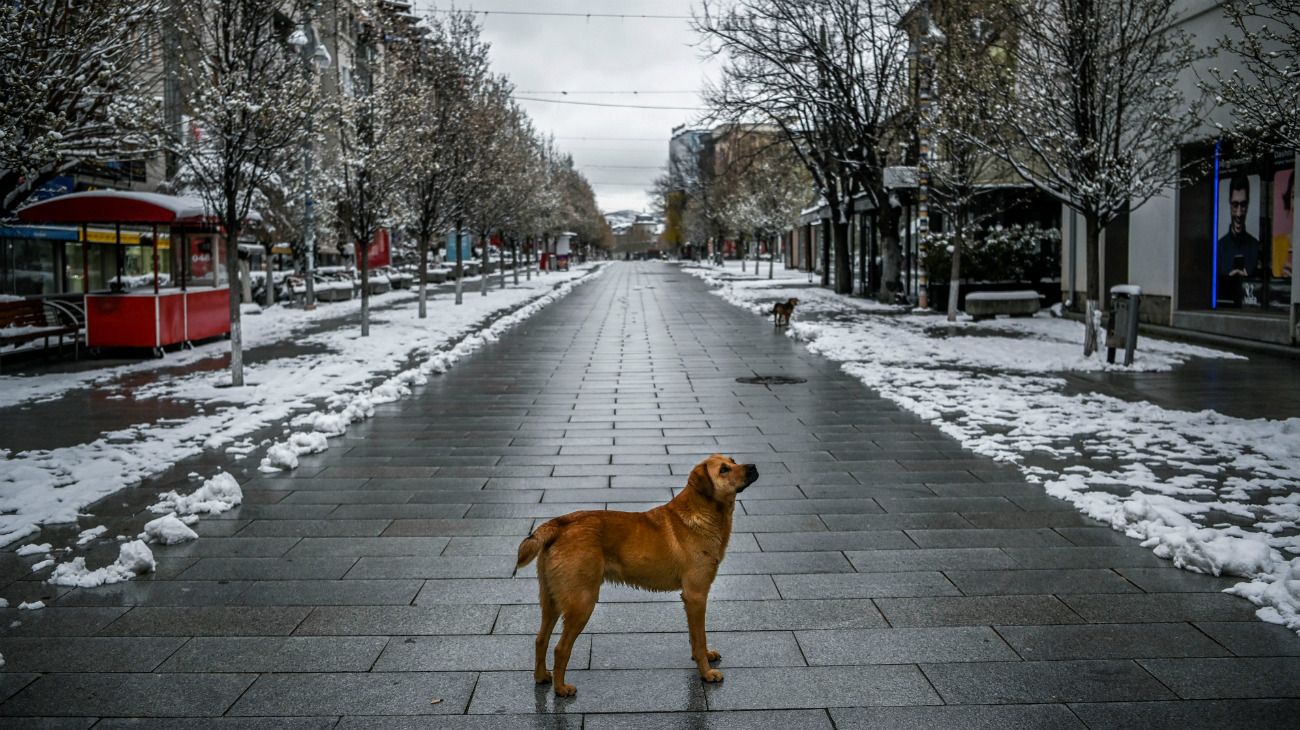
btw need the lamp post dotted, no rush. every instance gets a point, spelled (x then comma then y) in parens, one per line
(314, 58)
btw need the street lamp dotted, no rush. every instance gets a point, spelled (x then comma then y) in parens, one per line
(315, 57)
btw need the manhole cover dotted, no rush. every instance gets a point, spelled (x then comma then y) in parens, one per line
(771, 380)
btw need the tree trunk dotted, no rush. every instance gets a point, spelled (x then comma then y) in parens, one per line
(891, 256)
(954, 275)
(843, 263)
(232, 279)
(245, 280)
(270, 282)
(743, 245)
(424, 276)
(502, 263)
(771, 259)
(514, 260)
(363, 253)
(460, 265)
(824, 234)
(1092, 311)
(528, 260)
(483, 267)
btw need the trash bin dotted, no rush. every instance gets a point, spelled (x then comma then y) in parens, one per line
(1122, 321)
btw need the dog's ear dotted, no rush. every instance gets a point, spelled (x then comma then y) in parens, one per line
(700, 481)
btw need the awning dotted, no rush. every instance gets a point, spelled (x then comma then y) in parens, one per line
(116, 206)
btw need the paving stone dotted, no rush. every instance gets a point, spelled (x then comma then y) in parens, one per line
(495, 652)
(794, 562)
(1095, 536)
(1252, 639)
(207, 621)
(52, 723)
(1159, 607)
(811, 506)
(777, 523)
(428, 510)
(289, 654)
(1207, 715)
(645, 690)
(1109, 641)
(1017, 582)
(466, 566)
(795, 687)
(880, 561)
(330, 593)
(909, 521)
(735, 720)
(903, 646)
(1229, 678)
(158, 593)
(996, 683)
(311, 547)
(1168, 579)
(121, 694)
(1007, 538)
(673, 651)
(397, 621)
(864, 585)
(314, 528)
(374, 693)
(968, 717)
(235, 547)
(268, 568)
(879, 540)
(976, 611)
(85, 654)
(449, 528)
(219, 723)
(1085, 557)
(57, 621)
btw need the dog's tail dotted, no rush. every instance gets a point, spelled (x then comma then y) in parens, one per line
(533, 545)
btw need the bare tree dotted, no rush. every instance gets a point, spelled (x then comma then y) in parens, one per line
(436, 133)
(372, 156)
(247, 102)
(969, 64)
(77, 89)
(1092, 111)
(830, 75)
(1265, 100)
(766, 199)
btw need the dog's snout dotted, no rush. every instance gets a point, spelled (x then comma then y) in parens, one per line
(751, 474)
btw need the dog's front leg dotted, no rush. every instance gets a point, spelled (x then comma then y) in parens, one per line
(696, 599)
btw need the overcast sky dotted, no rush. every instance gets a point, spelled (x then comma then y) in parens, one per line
(573, 54)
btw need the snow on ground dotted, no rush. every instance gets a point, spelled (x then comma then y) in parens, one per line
(53, 486)
(1212, 493)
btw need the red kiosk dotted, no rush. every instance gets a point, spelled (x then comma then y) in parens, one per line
(194, 305)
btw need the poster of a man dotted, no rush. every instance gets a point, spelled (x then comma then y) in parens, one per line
(1238, 262)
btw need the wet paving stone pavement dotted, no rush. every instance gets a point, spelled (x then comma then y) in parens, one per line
(879, 576)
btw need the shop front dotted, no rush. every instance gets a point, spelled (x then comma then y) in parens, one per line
(1237, 226)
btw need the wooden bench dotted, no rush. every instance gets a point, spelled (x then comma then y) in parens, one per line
(988, 304)
(29, 320)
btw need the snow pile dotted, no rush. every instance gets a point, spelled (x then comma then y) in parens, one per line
(133, 559)
(283, 456)
(168, 530)
(219, 494)
(32, 606)
(33, 549)
(1209, 492)
(90, 535)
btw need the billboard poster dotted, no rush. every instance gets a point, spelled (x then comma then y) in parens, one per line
(466, 250)
(1240, 265)
(1283, 221)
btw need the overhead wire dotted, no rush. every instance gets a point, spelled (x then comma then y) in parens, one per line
(603, 104)
(556, 14)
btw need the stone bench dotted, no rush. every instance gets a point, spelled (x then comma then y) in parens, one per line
(988, 304)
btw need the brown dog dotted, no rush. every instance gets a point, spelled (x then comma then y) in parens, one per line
(781, 312)
(676, 546)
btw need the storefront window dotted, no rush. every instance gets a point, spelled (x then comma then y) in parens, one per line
(1252, 224)
(27, 267)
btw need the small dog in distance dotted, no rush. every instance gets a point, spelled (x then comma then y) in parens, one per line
(781, 312)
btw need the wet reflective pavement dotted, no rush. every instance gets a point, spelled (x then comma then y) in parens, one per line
(878, 576)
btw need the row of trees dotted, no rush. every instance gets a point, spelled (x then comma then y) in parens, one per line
(1082, 99)
(414, 133)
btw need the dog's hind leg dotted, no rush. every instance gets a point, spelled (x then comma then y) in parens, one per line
(550, 614)
(577, 609)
